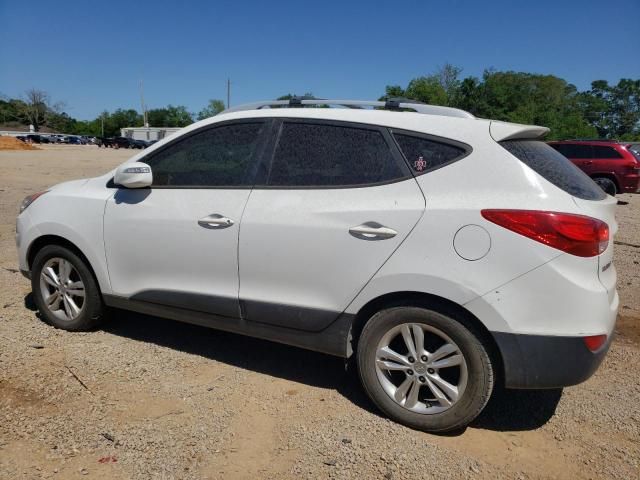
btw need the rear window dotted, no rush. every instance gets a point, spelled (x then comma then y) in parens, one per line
(555, 168)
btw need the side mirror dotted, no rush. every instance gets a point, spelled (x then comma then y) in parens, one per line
(133, 175)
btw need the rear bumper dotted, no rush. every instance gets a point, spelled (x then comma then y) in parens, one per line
(541, 361)
(547, 313)
(630, 183)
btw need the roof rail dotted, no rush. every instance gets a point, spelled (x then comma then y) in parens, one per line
(394, 104)
(610, 140)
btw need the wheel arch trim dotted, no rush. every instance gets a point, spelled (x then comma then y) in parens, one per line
(39, 242)
(433, 302)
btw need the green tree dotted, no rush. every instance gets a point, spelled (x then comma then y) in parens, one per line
(213, 108)
(449, 78)
(439, 88)
(393, 91)
(427, 89)
(614, 109)
(170, 116)
(121, 118)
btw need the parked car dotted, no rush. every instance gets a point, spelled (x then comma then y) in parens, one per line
(611, 164)
(103, 141)
(634, 147)
(440, 253)
(139, 143)
(118, 142)
(72, 140)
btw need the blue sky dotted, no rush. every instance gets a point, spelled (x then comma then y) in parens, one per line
(92, 55)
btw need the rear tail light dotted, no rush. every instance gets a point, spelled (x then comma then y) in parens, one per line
(575, 234)
(594, 342)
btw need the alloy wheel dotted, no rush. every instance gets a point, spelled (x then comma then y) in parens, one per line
(62, 289)
(421, 368)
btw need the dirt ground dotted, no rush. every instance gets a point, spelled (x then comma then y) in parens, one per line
(150, 398)
(11, 143)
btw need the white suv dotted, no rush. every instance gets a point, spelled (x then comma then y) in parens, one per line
(442, 252)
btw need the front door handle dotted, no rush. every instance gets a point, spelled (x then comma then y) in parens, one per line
(372, 231)
(215, 220)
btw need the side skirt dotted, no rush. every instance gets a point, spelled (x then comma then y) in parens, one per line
(333, 340)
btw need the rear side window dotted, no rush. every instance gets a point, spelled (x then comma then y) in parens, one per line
(555, 168)
(600, 151)
(424, 154)
(216, 157)
(319, 155)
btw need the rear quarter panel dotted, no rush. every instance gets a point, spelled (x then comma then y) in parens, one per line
(427, 262)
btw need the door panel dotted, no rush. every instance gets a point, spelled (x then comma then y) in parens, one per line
(157, 251)
(300, 266)
(177, 243)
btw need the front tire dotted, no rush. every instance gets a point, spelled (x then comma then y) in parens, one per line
(65, 290)
(424, 369)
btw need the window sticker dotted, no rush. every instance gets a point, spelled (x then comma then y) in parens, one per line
(420, 164)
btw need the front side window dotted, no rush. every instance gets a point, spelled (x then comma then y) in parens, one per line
(424, 154)
(215, 157)
(573, 150)
(321, 155)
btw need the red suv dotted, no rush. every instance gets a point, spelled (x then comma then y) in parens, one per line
(613, 165)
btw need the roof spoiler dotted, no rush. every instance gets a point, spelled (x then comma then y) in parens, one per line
(500, 131)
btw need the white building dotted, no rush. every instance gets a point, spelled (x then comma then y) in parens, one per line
(148, 133)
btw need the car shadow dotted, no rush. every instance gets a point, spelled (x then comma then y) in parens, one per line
(518, 410)
(29, 302)
(507, 410)
(262, 356)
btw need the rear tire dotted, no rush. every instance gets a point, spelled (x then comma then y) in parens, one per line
(66, 294)
(450, 378)
(606, 184)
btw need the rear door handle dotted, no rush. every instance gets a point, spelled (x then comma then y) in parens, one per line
(372, 231)
(215, 220)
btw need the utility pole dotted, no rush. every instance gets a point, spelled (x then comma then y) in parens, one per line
(144, 108)
(102, 120)
(228, 92)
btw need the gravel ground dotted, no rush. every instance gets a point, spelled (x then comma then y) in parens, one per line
(146, 397)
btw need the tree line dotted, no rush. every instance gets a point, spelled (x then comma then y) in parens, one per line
(35, 108)
(603, 111)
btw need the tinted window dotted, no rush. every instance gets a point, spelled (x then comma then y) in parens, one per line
(220, 156)
(424, 155)
(555, 168)
(328, 155)
(572, 150)
(600, 151)
(565, 149)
